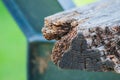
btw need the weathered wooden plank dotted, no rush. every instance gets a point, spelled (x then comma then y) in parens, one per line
(87, 37)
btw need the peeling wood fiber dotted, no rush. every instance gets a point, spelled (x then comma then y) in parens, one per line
(88, 38)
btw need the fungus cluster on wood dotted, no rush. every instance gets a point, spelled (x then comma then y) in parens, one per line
(88, 38)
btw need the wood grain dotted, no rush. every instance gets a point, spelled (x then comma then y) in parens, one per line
(87, 37)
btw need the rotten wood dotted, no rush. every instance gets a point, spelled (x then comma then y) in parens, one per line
(87, 37)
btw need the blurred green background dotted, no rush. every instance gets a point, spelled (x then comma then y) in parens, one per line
(13, 45)
(83, 2)
(12, 48)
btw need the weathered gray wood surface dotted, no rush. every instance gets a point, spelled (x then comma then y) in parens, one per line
(87, 37)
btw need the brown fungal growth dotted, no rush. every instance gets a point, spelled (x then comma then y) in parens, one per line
(87, 37)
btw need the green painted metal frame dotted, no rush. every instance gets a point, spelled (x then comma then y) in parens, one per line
(33, 36)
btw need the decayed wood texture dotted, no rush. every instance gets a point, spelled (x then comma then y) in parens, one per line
(87, 37)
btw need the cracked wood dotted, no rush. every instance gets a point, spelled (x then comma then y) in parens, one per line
(87, 37)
